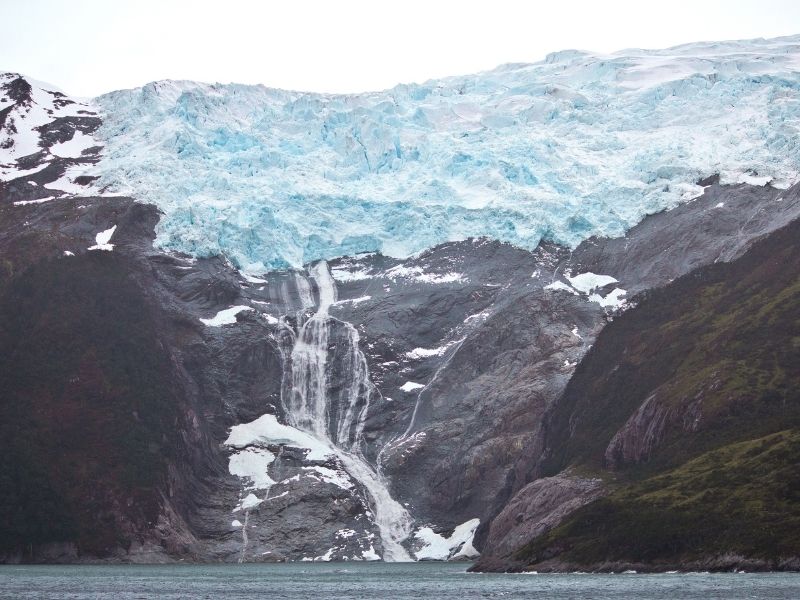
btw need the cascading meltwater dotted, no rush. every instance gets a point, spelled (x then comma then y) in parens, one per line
(336, 417)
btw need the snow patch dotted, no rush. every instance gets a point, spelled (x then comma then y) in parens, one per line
(418, 353)
(266, 430)
(751, 179)
(418, 274)
(337, 478)
(370, 554)
(248, 502)
(9, 173)
(585, 283)
(481, 316)
(252, 464)
(37, 201)
(74, 147)
(613, 299)
(269, 318)
(225, 317)
(353, 301)
(410, 386)
(588, 282)
(102, 240)
(345, 533)
(438, 547)
(65, 184)
(560, 285)
(344, 275)
(325, 557)
(252, 279)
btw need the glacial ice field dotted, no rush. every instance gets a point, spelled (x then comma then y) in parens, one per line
(577, 145)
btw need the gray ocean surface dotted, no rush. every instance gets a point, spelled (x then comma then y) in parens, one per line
(322, 581)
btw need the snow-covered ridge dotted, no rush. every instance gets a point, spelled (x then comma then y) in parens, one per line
(41, 127)
(576, 145)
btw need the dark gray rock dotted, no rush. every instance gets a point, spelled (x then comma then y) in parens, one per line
(533, 511)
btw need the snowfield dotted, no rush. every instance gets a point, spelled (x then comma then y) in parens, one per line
(577, 145)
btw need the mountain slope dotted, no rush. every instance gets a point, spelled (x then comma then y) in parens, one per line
(46, 141)
(735, 507)
(465, 349)
(88, 436)
(687, 407)
(381, 404)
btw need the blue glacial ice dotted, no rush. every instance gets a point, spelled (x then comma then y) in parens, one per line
(576, 145)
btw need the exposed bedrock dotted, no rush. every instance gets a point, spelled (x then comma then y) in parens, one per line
(534, 510)
(687, 408)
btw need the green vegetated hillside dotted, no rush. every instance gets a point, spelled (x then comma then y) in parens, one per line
(702, 382)
(87, 408)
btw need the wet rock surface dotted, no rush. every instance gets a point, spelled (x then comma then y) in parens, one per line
(534, 510)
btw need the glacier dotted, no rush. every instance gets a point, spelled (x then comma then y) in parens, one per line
(577, 145)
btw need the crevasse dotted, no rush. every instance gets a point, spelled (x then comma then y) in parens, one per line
(577, 145)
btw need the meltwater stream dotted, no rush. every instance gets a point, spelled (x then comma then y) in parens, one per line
(336, 418)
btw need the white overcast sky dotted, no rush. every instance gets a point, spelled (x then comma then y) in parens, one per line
(88, 47)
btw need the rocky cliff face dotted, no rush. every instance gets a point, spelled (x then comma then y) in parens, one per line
(687, 408)
(533, 511)
(358, 408)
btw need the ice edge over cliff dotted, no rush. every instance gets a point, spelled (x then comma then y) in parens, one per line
(573, 146)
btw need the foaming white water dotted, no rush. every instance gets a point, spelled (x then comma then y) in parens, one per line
(393, 521)
(303, 291)
(339, 420)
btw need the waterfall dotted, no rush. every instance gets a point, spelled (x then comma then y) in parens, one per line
(303, 291)
(337, 417)
(244, 535)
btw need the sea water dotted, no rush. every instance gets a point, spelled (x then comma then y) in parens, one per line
(322, 581)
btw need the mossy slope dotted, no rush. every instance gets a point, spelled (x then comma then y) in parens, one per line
(742, 499)
(719, 351)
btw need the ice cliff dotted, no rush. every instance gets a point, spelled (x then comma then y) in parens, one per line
(577, 145)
